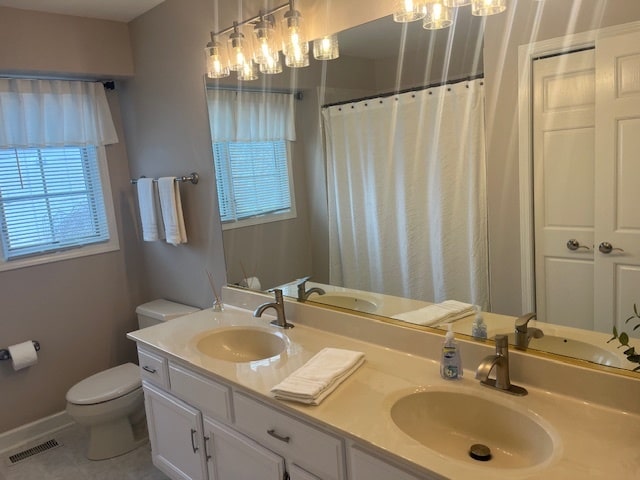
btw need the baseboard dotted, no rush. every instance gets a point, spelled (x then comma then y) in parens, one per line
(24, 435)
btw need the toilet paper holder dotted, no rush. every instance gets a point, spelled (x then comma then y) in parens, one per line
(5, 355)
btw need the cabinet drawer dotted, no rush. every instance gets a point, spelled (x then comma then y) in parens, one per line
(153, 368)
(314, 450)
(211, 397)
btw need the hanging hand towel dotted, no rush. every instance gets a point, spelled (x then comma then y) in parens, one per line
(320, 376)
(152, 229)
(171, 207)
(445, 312)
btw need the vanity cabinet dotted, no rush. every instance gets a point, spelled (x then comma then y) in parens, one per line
(201, 429)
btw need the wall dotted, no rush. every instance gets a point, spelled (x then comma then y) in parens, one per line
(525, 21)
(45, 43)
(78, 309)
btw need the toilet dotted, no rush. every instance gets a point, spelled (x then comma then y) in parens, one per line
(111, 403)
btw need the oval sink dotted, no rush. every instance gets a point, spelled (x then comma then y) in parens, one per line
(450, 422)
(241, 344)
(346, 301)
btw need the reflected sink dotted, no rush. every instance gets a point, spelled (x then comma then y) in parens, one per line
(451, 421)
(241, 344)
(346, 301)
(572, 348)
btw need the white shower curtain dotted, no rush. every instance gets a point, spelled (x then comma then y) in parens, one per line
(406, 194)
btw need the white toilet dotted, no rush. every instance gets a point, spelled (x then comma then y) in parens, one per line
(111, 402)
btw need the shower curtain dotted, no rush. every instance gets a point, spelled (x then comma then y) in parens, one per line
(406, 194)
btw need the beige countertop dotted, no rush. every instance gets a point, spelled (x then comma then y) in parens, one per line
(591, 441)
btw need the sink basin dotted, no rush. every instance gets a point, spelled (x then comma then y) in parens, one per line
(346, 301)
(572, 348)
(451, 421)
(241, 344)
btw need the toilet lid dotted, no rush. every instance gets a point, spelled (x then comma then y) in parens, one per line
(106, 385)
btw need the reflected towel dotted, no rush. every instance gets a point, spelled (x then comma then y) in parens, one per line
(438, 313)
(171, 207)
(152, 229)
(320, 376)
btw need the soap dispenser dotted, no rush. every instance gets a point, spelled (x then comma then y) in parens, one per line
(450, 365)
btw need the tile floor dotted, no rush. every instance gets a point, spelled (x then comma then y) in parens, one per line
(67, 462)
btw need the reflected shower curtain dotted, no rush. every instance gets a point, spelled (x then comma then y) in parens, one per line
(406, 194)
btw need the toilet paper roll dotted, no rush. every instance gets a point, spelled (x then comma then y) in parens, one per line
(23, 355)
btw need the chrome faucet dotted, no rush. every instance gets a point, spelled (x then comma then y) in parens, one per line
(278, 306)
(524, 333)
(499, 361)
(303, 293)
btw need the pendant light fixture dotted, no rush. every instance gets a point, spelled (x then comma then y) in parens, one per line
(326, 48)
(408, 10)
(217, 60)
(437, 16)
(295, 46)
(265, 42)
(237, 49)
(248, 72)
(456, 3)
(484, 8)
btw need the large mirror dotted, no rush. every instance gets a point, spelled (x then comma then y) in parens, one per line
(384, 57)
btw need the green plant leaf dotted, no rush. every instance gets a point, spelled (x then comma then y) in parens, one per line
(623, 338)
(615, 335)
(634, 358)
(635, 310)
(631, 351)
(629, 319)
(636, 327)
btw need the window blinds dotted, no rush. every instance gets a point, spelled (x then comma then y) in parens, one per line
(252, 178)
(50, 199)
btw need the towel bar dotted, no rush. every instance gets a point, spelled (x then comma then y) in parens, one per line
(5, 355)
(193, 178)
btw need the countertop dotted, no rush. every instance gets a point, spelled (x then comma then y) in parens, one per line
(592, 441)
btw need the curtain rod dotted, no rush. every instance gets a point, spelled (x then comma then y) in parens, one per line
(296, 93)
(108, 84)
(406, 90)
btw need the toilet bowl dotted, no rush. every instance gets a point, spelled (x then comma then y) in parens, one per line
(111, 403)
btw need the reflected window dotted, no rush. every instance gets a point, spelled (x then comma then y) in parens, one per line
(254, 182)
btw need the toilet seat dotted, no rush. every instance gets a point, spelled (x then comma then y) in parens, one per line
(106, 385)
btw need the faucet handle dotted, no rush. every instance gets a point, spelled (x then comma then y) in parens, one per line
(502, 341)
(303, 280)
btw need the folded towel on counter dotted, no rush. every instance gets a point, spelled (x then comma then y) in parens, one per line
(320, 376)
(171, 207)
(152, 228)
(438, 313)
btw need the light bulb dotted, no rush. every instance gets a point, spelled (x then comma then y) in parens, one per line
(217, 63)
(265, 40)
(294, 40)
(237, 47)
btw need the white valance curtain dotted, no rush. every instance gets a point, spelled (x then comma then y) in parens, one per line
(406, 194)
(54, 113)
(239, 116)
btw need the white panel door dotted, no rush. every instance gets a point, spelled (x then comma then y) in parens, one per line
(175, 434)
(617, 167)
(232, 456)
(563, 156)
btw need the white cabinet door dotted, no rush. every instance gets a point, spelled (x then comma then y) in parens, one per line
(367, 467)
(232, 456)
(175, 434)
(617, 273)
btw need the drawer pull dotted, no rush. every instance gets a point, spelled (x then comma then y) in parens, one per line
(193, 441)
(277, 436)
(149, 369)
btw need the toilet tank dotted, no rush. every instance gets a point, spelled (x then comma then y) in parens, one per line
(158, 311)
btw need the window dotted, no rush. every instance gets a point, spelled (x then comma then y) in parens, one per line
(52, 201)
(254, 182)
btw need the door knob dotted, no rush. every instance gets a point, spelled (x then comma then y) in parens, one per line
(606, 247)
(574, 245)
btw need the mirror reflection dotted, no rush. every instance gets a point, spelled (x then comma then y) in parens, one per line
(384, 196)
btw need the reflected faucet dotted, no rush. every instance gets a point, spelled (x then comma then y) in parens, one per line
(303, 293)
(499, 362)
(278, 306)
(524, 333)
